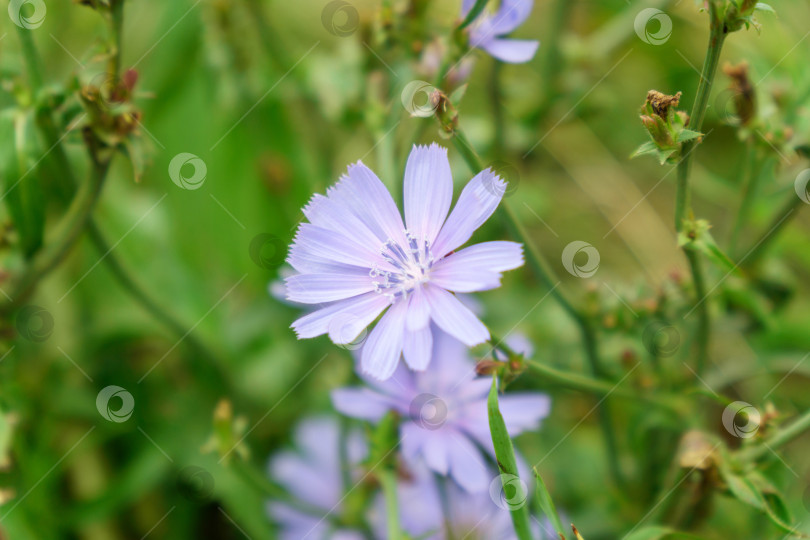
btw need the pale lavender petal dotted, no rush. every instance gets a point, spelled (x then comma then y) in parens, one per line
(420, 506)
(317, 438)
(361, 403)
(524, 411)
(318, 288)
(425, 446)
(466, 6)
(332, 214)
(454, 318)
(384, 345)
(467, 465)
(428, 191)
(478, 267)
(498, 256)
(464, 279)
(454, 367)
(510, 15)
(306, 482)
(417, 348)
(342, 317)
(295, 524)
(475, 205)
(371, 201)
(330, 246)
(418, 310)
(513, 51)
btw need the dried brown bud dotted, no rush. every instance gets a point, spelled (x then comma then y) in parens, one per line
(488, 367)
(661, 102)
(696, 451)
(744, 96)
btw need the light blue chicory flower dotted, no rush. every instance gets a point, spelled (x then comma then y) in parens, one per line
(487, 30)
(357, 260)
(432, 508)
(444, 413)
(314, 476)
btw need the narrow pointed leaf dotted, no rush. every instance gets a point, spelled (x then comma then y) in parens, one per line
(473, 14)
(505, 455)
(547, 505)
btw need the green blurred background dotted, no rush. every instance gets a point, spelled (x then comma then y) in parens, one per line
(277, 107)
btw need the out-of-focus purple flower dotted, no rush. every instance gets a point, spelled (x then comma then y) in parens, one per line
(487, 30)
(357, 256)
(444, 411)
(313, 476)
(426, 514)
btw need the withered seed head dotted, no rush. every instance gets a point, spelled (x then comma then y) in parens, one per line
(661, 102)
(744, 97)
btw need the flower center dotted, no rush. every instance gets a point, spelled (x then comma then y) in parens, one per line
(412, 264)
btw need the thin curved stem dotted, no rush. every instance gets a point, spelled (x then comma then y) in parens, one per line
(683, 203)
(749, 186)
(68, 232)
(67, 184)
(778, 439)
(545, 274)
(389, 487)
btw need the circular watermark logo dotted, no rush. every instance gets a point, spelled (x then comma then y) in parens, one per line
(28, 14)
(105, 89)
(508, 492)
(428, 411)
(802, 186)
(35, 323)
(508, 173)
(741, 419)
(187, 171)
(195, 484)
(725, 106)
(420, 98)
(340, 18)
(573, 251)
(267, 251)
(653, 26)
(344, 331)
(124, 410)
(660, 339)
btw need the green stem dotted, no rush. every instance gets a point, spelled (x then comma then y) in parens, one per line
(31, 58)
(68, 232)
(389, 487)
(777, 223)
(66, 184)
(546, 276)
(683, 204)
(704, 321)
(778, 439)
(116, 27)
(496, 101)
(750, 177)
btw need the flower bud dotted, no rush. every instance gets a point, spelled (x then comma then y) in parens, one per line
(744, 96)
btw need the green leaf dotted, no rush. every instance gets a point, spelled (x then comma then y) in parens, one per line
(22, 191)
(458, 94)
(664, 155)
(547, 504)
(755, 491)
(762, 6)
(473, 14)
(688, 135)
(654, 532)
(505, 455)
(648, 147)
